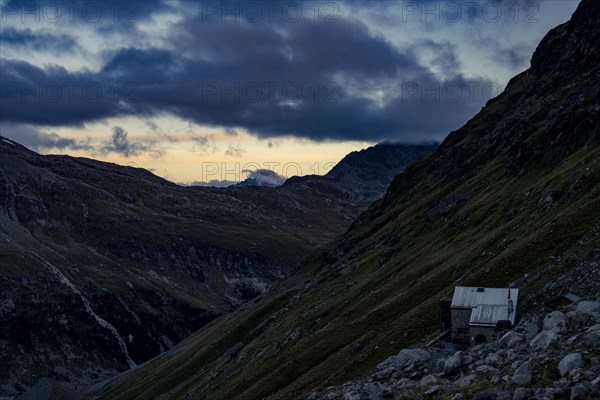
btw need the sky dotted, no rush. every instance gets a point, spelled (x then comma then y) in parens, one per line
(200, 91)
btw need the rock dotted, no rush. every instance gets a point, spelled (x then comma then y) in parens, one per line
(588, 307)
(543, 340)
(485, 395)
(432, 390)
(465, 380)
(531, 329)
(549, 393)
(575, 375)
(592, 336)
(571, 340)
(405, 358)
(555, 321)
(579, 392)
(569, 363)
(524, 374)
(454, 362)
(373, 390)
(522, 394)
(580, 321)
(514, 356)
(438, 365)
(485, 370)
(352, 396)
(385, 374)
(492, 359)
(405, 383)
(511, 339)
(468, 360)
(429, 380)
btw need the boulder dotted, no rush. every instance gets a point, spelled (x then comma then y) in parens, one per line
(465, 380)
(522, 394)
(385, 374)
(432, 390)
(485, 370)
(549, 393)
(492, 359)
(579, 392)
(405, 358)
(591, 338)
(404, 384)
(524, 374)
(569, 363)
(454, 362)
(511, 339)
(485, 395)
(555, 321)
(373, 390)
(531, 329)
(429, 380)
(578, 321)
(543, 340)
(588, 307)
(352, 395)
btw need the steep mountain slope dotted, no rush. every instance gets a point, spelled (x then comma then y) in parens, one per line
(513, 192)
(104, 266)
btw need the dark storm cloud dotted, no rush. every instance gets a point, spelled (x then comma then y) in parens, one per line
(36, 40)
(55, 96)
(39, 141)
(308, 79)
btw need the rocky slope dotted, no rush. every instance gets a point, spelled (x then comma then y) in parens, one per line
(550, 358)
(514, 195)
(105, 266)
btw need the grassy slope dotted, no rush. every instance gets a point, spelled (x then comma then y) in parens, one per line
(518, 184)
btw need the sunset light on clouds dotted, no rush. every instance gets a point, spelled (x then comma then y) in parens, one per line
(185, 83)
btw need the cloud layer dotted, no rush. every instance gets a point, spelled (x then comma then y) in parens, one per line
(282, 76)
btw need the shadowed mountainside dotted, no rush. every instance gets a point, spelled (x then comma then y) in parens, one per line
(105, 266)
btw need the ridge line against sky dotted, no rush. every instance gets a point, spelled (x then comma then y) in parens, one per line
(177, 86)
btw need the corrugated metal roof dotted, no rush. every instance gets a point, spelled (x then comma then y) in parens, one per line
(490, 314)
(471, 297)
(489, 305)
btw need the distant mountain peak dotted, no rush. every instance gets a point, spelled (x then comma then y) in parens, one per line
(261, 177)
